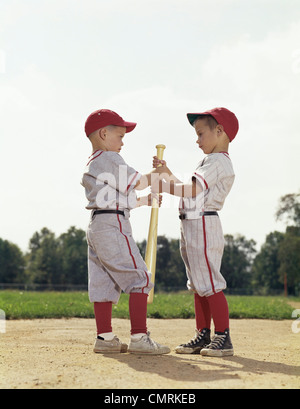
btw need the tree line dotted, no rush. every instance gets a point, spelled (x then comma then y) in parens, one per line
(62, 261)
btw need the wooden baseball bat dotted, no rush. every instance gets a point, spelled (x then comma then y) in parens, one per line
(151, 249)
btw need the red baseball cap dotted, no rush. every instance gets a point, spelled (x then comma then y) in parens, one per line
(104, 117)
(224, 117)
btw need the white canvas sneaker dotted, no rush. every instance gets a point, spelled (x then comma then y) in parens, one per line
(109, 347)
(145, 345)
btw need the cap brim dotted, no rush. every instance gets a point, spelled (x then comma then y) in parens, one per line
(128, 125)
(192, 117)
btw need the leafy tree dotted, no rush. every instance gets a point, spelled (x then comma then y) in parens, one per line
(170, 267)
(237, 261)
(61, 260)
(170, 270)
(289, 257)
(12, 263)
(289, 251)
(44, 261)
(289, 208)
(267, 263)
(73, 256)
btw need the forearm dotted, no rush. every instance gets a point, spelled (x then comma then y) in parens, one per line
(169, 177)
(180, 189)
(147, 200)
(165, 173)
(147, 180)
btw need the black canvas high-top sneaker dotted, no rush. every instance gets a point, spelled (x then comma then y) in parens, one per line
(220, 346)
(201, 340)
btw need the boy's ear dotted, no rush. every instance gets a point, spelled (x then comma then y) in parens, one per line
(102, 133)
(220, 129)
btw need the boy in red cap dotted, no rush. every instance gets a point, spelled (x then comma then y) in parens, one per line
(202, 241)
(114, 261)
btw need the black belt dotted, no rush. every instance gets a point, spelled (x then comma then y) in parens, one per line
(108, 211)
(183, 216)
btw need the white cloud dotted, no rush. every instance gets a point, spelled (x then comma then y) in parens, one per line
(265, 66)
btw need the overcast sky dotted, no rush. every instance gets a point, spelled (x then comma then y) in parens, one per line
(152, 61)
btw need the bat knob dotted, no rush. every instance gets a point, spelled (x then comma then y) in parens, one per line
(160, 151)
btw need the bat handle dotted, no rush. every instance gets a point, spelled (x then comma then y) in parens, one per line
(150, 256)
(160, 151)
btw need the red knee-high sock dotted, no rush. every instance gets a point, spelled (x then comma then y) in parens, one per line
(138, 313)
(219, 310)
(103, 313)
(202, 312)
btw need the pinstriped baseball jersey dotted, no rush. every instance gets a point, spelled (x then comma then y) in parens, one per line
(114, 260)
(216, 175)
(202, 239)
(109, 182)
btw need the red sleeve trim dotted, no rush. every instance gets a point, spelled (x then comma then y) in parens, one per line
(132, 180)
(202, 178)
(94, 157)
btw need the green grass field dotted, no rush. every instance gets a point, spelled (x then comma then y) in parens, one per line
(30, 305)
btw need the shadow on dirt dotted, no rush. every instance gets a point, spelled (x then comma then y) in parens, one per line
(196, 368)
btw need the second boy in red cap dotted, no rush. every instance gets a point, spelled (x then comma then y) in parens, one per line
(202, 240)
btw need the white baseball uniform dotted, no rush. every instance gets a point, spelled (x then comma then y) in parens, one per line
(114, 260)
(202, 239)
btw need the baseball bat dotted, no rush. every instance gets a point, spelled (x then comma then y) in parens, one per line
(151, 249)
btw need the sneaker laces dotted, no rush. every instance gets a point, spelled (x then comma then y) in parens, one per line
(197, 338)
(146, 338)
(218, 341)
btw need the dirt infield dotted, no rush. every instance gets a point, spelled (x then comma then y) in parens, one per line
(55, 354)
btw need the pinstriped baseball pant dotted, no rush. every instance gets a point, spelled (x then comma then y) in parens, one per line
(201, 247)
(114, 260)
